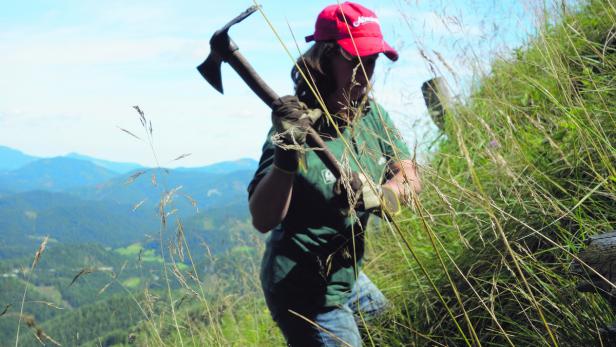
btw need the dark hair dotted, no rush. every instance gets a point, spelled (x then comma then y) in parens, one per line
(315, 64)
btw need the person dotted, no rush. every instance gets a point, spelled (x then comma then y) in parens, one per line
(311, 270)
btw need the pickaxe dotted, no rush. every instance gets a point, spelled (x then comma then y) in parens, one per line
(222, 48)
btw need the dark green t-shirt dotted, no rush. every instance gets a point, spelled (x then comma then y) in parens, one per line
(311, 258)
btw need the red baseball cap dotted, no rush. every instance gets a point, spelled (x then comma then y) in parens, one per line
(363, 28)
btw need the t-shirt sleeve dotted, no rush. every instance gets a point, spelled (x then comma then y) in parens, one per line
(392, 144)
(265, 163)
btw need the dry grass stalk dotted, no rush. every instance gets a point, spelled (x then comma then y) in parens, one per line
(6, 309)
(137, 205)
(37, 258)
(180, 240)
(83, 272)
(49, 304)
(182, 156)
(134, 176)
(39, 252)
(130, 133)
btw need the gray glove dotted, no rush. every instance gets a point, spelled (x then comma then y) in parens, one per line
(292, 120)
(355, 191)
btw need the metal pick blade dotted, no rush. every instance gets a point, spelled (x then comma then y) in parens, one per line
(210, 70)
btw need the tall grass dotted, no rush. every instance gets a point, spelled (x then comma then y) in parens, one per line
(525, 173)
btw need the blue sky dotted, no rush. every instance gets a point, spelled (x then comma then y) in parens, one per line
(71, 70)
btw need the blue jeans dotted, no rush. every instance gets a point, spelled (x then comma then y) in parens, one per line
(336, 327)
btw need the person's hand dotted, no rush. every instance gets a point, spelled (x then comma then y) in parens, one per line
(355, 191)
(292, 119)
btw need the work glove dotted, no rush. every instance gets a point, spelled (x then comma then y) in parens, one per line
(292, 120)
(354, 191)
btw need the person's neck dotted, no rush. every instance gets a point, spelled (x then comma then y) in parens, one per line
(341, 112)
(338, 103)
(343, 108)
(334, 103)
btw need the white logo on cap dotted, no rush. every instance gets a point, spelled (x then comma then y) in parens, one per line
(363, 20)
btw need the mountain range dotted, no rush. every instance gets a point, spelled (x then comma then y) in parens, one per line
(114, 166)
(54, 174)
(74, 200)
(20, 172)
(12, 159)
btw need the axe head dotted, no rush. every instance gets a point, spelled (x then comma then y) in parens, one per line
(221, 47)
(210, 70)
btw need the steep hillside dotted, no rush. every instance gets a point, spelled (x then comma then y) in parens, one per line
(194, 190)
(226, 166)
(117, 167)
(27, 217)
(525, 172)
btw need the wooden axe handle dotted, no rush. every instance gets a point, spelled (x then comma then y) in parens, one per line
(265, 93)
(251, 77)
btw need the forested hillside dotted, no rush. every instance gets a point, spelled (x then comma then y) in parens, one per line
(25, 218)
(102, 258)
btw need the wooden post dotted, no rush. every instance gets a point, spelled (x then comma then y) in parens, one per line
(438, 100)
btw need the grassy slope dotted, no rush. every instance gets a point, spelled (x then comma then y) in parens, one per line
(524, 174)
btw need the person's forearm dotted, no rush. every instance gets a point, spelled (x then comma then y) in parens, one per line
(405, 181)
(270, 200)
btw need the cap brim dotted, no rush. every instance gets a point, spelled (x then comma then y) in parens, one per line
(368, 46)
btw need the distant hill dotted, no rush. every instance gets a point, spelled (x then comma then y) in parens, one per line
(26, 218)
(245, 164)
(11, 159)
(54, 174)
(118, 167)
(215, 230)
(75, 201)
(204, 188)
